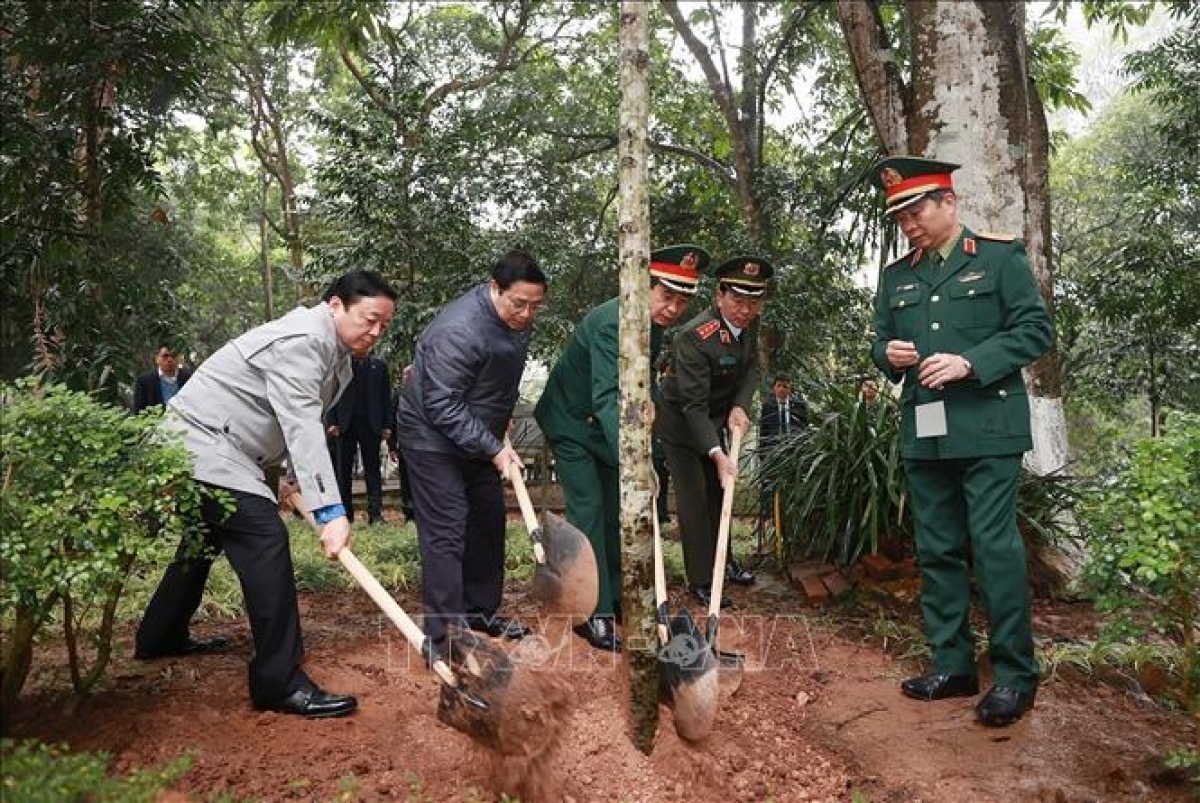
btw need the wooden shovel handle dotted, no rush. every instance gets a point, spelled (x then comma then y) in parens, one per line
(718, 579)
(382, 598)
(660, 572)
(527, 511)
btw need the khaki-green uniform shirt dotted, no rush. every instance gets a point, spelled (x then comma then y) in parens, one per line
(984, 305)
(709, 372)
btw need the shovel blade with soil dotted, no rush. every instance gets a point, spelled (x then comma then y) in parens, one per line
(566, 581)
(484, 695)
(687, 669)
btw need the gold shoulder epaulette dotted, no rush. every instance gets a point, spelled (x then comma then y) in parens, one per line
(705, 330)
(999, 238)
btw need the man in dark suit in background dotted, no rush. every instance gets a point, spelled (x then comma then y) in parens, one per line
(782, 413)
(361, 420)
(157, 387)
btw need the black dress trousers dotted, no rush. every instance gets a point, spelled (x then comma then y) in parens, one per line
(459, 506)
(255, 541)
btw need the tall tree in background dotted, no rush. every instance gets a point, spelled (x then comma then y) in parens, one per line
(635, 406)
(969, 98)
(88, 257)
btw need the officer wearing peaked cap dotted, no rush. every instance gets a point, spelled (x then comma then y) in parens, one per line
(578, 415)
(708, 388)
(956, 319)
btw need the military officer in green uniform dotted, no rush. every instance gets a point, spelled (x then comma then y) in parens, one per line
(956, 319)
(578, 415)
(708, 387)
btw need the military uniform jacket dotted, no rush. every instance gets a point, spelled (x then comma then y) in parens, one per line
(260, 399)
(581, 396)
(983, 304)
(708, 373)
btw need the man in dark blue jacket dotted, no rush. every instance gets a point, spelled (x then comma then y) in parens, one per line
(361, 421)
(454, 410)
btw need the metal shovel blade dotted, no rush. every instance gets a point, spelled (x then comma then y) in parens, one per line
(688, 676)
(567, 583)
(730, 665)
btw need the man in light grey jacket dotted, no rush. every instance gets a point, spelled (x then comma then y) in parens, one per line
(256, 401)
(453, 413)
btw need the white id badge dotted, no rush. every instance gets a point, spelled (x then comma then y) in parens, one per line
(931, 420)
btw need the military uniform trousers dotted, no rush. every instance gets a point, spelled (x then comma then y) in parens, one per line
(698, 505)
(255, 541)
(593, 495)
(975, 498)
(459, 507)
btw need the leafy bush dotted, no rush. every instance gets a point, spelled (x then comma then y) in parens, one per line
(88, 492)
(841, 481)
(37, 773)
(1144, 554)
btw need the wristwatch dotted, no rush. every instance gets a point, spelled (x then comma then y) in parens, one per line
(970, 368)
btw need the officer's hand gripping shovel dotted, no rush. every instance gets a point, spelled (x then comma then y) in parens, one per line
(565, 578)
(731, 664)
(687, 670)
(485, 699)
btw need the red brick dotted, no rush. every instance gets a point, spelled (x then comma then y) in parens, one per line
(835, 583)
(879, 567)
(814, 590)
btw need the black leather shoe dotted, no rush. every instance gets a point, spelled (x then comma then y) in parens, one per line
(735, 574)
(497, 626)
(192, 646)
(314, 704)
(703, 595)
(936, 686)
(600, 632)
(1003, 706)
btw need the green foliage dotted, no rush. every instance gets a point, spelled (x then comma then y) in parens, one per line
(40, 773)
(86, 90)
(1145, 548)
(88, 492)
(841, 481)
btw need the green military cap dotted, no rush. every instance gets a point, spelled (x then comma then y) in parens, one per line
(679, 266)
(745, 274)
(907, 179)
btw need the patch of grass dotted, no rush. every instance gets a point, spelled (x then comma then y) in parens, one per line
(37, 773)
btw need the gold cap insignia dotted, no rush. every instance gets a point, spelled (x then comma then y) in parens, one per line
(751, 269)
(689, 261)
(890, 177)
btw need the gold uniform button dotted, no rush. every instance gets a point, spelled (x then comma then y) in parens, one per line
(935, 326)
(936, 298)
(971, 292)
(1003, 393)
(901, 304)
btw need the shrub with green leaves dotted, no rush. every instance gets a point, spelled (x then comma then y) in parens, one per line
(88, 492)
(841, 481)
(40, 773)
(1145, 547)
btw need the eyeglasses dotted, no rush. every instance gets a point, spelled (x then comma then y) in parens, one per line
(520, 306)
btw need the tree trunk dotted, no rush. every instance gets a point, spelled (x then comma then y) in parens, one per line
(18, 655)
(637, 597)
(970, 100)
(264, 250)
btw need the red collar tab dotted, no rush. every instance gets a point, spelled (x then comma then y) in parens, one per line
(970, 247)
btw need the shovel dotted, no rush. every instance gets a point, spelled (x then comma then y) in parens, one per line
(731, 664)
(565, 578)
(487, 700)
(687, 670)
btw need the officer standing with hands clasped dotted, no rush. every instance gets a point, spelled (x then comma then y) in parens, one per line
(578, 415)
(710, 380)
(956, 319)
